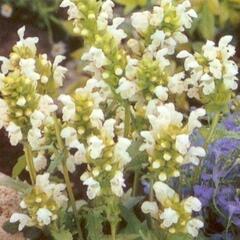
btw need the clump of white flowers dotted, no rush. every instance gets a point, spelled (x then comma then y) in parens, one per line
(171, 212)
(126, 117)
(42, 204)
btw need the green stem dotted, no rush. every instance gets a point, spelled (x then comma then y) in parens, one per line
(29, 161)
(113, 231)
(135, 184)
(67, 179)
(208, 140)
(127, 120)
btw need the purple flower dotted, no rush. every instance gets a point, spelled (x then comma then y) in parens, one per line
(224, 147)
(204, 194)
(232, 122)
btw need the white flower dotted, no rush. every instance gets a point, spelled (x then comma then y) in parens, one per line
(40, 162)
(150, 208)
(131, 68)
(169, 217)
(149, 142)
(117, 184)
(37, 118)
(140, 21)
(73, 12)
(107, 8)
(44, 216)
(69, 108)
(23, 219)
(157, 38)
(6, 10)
(21, 101)
(193, 121)
(34, 137)
(163, 192)
(3, 113)
(97, 118)
(58, 48)
(193, 155)
(118, 34)
(93, 189)
(95, 147)
(14, 133)
(176, 83)
(6, 64)
(46, 105)
(120, 151)
(70, 136)
(157, 16)
(27, 42)
(127, 89)
(108, 127)
(182, 143)
(96, 56)
(59, 71)
(193, 226)
(192, 204)
(28, 68)
(161, 92)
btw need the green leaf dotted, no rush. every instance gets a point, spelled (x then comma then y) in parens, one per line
(11, 228)
(55, 163)
(19, 166)
(32, 233)
(207, 23)
(94, 220)
(62, 234)
(14, 184)
(134, 225)
(179, 237)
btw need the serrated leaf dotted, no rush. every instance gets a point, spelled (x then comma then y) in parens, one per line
(11, 228)
(32, 233)
(19, 166)
(62, 234)
(94, 220)
(17, 185)
(134, 225)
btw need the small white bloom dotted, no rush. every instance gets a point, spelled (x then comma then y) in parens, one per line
(28, 69)
(194, 154)
(37, 118)
(58, 70)
(192, 204)
(46, 105)
(182, 143)
(140, 21)
(23, 219)
(69, 108)
(6, 64)
(163, 192)
(193, 121)
(93, 189)
(3, 113)
(14, 133)
(26, 42)
(73, 12)
(34, 137)
(127, 89)
(118, 34)
(108, 127)
(40, 162)
(97, 118)
(193, 226)
(44, 216)
(120, 151)
(117, 184)
(6, 10)
(96, 56)
(161, 92)
(150, 208)
(169, 217)
(95, 147)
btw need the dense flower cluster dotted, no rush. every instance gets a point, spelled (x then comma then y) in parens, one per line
(173, 214)
(128, 111)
